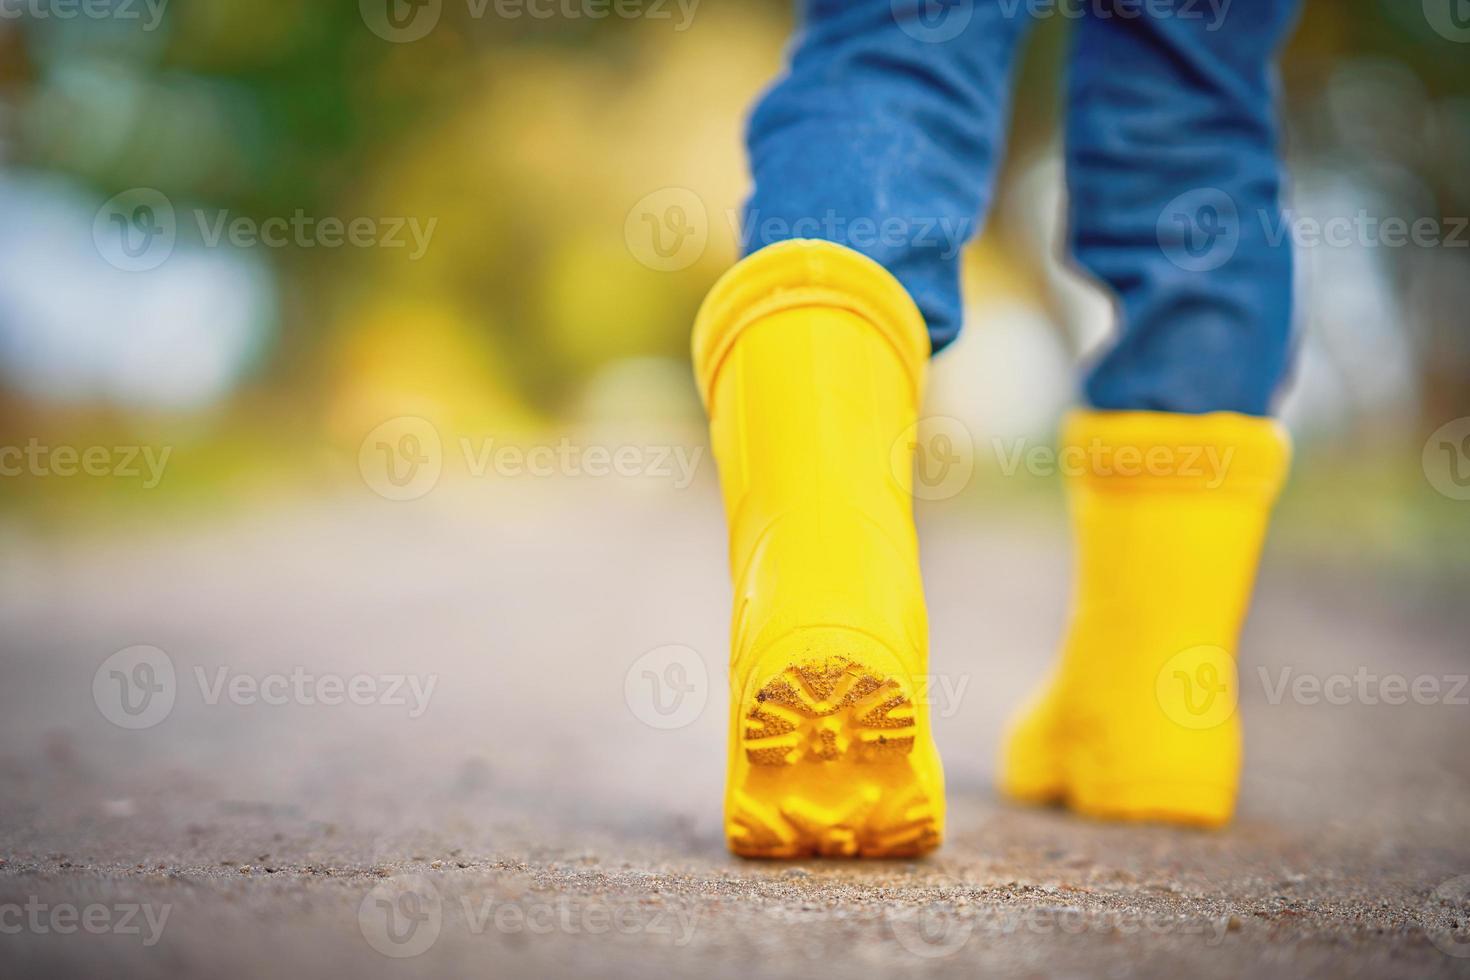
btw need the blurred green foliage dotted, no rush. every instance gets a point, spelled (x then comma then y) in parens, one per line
(299, 105)
(528, 140)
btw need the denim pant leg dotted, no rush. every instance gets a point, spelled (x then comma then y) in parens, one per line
(1174, 182)
(885, 135)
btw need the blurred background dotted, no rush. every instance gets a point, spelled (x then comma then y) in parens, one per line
(509, 170)
(322, 328)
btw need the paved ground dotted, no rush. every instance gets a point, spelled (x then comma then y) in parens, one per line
(528, 822)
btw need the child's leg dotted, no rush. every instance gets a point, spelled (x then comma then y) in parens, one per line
(885, 136)
(1174, 180)
(811, 360)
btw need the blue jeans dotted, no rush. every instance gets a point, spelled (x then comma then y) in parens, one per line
(886, 133)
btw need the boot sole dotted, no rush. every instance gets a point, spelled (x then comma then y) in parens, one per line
(831, 760)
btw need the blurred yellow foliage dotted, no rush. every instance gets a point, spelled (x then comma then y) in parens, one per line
(530, 177)
(401, 358)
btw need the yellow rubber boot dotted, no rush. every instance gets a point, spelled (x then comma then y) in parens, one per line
(1138, 721)
(810, 358)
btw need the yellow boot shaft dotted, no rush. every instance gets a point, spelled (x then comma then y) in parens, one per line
(810, 360)
(1139, 719)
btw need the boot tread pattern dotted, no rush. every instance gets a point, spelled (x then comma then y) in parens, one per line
(828, 746)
